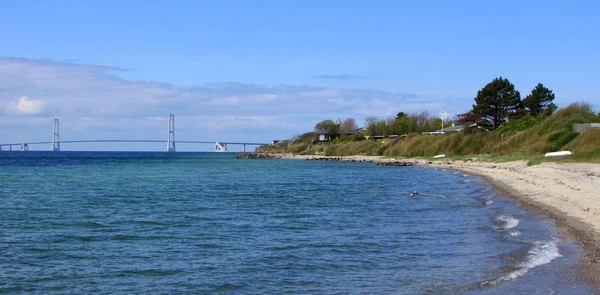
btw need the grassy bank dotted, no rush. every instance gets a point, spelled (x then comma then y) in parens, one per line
(528, 139)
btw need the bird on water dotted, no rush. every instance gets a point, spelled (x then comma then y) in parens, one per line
(413, 194)
(410, 194)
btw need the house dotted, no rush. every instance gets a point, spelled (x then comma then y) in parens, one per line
(323, 137)
(453, 128)
(433, 133)
(379, 137)
(473, 127)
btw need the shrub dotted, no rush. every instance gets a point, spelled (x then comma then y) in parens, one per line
(587, 141)
(358, 136)
(559, 139)
(520, 124)
(298, 148)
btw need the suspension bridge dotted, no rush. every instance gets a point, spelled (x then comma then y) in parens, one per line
(55, 144)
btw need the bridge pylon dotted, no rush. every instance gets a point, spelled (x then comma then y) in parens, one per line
(221, 147)
(171, 140)
(55, 138)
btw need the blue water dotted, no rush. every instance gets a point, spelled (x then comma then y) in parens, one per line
(167, 223)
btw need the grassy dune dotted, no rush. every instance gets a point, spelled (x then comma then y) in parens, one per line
(527, 138)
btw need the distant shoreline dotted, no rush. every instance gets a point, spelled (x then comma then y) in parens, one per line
(566, 193)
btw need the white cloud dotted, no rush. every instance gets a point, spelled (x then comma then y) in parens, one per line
(25, 106)
(92, 102)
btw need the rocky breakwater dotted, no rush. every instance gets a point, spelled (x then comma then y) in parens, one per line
(258, 156)
(377, 160)
(338, 159)
(396, 163)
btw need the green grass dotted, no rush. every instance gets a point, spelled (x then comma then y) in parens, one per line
(527, 139)
(580, 157)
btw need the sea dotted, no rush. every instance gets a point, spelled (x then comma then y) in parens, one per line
(207, 223)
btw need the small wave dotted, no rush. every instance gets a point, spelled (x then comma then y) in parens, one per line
(125, 238)
(211, 246)
(507, 222)
(90, 224)
(151, 272)
(226, 287)
(513, 233)
(485, 201)
(281, 248)
(149, 222)
(79, 238)
(540, 253)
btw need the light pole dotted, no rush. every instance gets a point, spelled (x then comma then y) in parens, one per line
(442, 121)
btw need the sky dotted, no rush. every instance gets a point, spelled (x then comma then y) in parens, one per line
(255, 71)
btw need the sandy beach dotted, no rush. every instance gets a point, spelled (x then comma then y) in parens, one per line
(569, 194)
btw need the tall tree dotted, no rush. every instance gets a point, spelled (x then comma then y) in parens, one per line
(326, 126)
(400, 115)
(496, 101)
(403, 125)
(539, 100)
(468, 117)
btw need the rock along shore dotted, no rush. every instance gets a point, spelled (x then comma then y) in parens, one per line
(255, 155)
(380, 161)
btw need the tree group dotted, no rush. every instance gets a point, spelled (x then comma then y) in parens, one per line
(498, 101)
(401, 124)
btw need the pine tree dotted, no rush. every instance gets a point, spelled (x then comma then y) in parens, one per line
(539, 100)
(496, 101)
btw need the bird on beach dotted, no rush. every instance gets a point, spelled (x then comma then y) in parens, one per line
(410, 194)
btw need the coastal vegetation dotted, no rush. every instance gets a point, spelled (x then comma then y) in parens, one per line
(499, 126)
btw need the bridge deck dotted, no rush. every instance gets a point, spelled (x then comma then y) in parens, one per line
(127, 141)
(131, 141)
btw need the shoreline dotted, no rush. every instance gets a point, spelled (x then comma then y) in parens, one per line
(568, 194)
(549, 201)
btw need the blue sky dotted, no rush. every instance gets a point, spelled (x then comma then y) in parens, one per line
(263, 70)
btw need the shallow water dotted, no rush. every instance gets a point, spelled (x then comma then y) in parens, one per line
(120, 223)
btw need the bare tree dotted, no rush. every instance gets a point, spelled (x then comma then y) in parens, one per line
(421, 118)
(348, 126)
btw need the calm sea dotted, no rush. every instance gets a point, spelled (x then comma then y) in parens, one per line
(206, 223)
